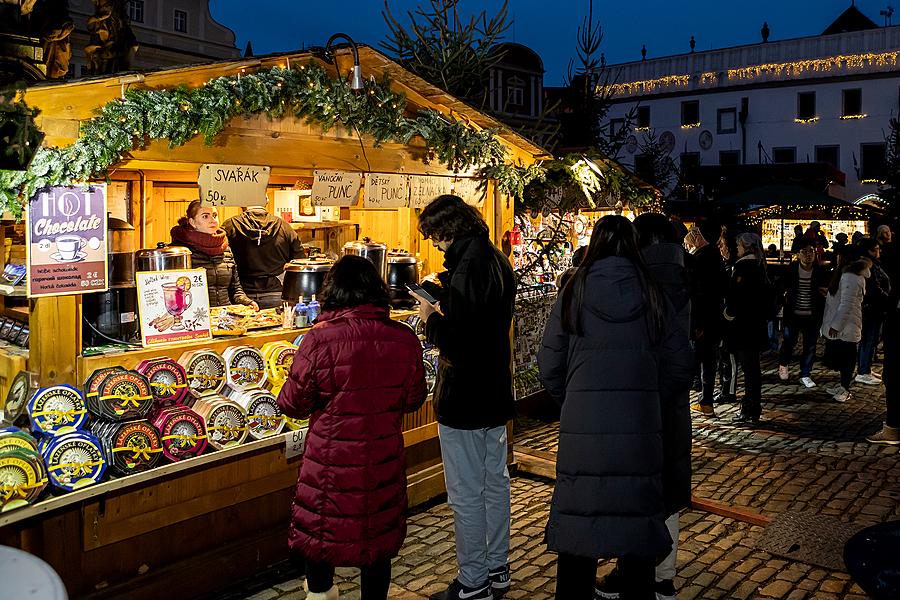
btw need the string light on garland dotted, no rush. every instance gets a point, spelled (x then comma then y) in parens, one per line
(648, 85)
(815, 66)
(853, 117)
(691, 125)
(872, 181)
(305, 92)
(806, 121)
(709, 79)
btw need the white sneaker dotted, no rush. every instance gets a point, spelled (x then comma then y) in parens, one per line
(841, 395)
(783, 373)
(867, 379)
(806, 381)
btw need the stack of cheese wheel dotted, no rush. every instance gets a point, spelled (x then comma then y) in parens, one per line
(182, 432)
(168, 381)
(279, 357)
(226, 420)
(122, 396)
(204, 370)
(430, 358)
(74, 460)
(245, 367)
(23, 475)
(130, 447)
(55, 408)
(21, 390)
(264, 418)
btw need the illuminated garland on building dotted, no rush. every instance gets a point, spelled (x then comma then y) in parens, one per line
(792, 69)
(799, 68)
(648, 85)
(691, 125)
(806, 121)
(851, 117)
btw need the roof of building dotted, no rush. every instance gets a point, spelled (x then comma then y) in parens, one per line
(851, 19)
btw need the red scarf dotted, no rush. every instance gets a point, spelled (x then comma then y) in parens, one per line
(213, 244)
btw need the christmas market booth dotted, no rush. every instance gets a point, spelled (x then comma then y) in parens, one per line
(142, 454)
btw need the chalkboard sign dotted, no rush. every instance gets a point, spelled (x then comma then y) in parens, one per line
(233, 185)
(425, 188)
(335, 188)
(386, 190)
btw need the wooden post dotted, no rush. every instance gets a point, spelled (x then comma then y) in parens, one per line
(55, 338)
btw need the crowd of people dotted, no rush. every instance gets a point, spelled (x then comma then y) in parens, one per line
(644, 311)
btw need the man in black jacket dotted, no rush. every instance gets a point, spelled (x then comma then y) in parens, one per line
(262, 244)
(708, 282)
(473, 394)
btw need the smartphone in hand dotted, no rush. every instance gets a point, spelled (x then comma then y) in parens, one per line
(419, 292)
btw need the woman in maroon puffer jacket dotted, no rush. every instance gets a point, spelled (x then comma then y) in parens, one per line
(356, 373)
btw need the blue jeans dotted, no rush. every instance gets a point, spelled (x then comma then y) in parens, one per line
(478, 492)
(794, 327)
(871, 334)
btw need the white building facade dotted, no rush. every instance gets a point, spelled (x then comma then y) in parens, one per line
(170, 33)
(824, 99)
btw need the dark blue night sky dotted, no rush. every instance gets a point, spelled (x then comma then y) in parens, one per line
(549, 26)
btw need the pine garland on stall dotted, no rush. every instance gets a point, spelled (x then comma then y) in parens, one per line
(306, 92)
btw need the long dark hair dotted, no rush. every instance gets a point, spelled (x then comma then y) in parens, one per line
(613, 236)
(353, 281)
(448, 217)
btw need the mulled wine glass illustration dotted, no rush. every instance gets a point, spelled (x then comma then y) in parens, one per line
(178, 299)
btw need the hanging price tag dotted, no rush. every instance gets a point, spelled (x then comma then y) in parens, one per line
(295, 443)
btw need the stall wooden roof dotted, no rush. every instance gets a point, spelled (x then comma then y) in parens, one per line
(259, 139)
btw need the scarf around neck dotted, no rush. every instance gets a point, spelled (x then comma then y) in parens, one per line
(213, 244)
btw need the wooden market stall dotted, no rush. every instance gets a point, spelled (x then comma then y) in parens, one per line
(193, 527)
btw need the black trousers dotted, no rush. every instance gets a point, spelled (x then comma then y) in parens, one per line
(891, 365)
(707, 350)
(843, 354)
(751, 403)
(374, 580)
(576, 576)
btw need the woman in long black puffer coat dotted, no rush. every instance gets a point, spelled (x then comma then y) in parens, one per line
(199, 231)
(610, 346)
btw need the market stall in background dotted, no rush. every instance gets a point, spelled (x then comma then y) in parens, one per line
(153, 412)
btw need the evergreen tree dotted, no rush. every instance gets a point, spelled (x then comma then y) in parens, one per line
(443, 49)
(890, 190)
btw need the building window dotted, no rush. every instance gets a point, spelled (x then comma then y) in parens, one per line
(615, 128)
(643, 117)
(690, 113)
(852, 103)
(643, 166)
(830, 155)
(136, 11)
(180, 23)
(726, 120)
(872, 167)
(515, 91)
(806, 106)
(690, 160)
(785, 155)
(729, 157)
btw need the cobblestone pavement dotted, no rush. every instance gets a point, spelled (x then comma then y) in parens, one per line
(809, 454)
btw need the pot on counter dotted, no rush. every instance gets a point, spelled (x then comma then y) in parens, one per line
(402, 268)
(374, 252)
(304, 277)
(162, 258)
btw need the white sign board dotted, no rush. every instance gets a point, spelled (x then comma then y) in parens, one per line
(173, 305)
(233, 185)
(295, 443)
(335, 188)
(472, 191)
(386, 190)
(425, 188)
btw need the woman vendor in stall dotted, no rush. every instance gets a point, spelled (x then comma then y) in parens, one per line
(199, 231)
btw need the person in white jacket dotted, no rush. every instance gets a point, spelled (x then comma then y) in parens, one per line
(842, 322)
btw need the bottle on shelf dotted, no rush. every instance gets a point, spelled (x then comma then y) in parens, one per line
(301, 313)
(312, 310)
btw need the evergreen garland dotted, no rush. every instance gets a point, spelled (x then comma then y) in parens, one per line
(306, 92)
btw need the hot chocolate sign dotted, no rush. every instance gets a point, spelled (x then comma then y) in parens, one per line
(66, 240)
